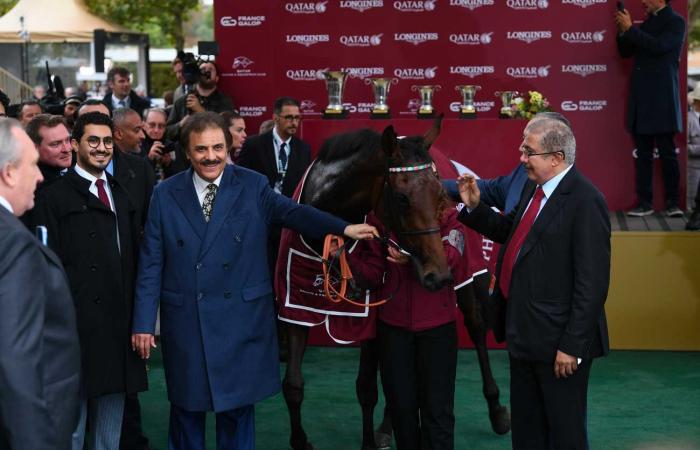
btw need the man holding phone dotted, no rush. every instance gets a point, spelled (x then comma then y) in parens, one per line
(654, 111)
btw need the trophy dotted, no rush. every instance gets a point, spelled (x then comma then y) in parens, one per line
(506, 99)
(426, 110)
(380, 87)
(467, 109)
(335, 82)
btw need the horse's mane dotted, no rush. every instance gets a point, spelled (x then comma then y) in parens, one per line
(365, 143)
(361, 143)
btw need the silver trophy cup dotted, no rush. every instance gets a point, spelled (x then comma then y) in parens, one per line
(468, 91)
(426, 98)
(335, 82)
(506, 99)
(380, 88)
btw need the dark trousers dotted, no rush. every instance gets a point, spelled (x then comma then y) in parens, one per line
(132, 435)
(418, 375)
(235, 429)
(546, 412)
(644, 165)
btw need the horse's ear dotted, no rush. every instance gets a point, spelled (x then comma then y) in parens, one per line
(390, 144)
(432, 134)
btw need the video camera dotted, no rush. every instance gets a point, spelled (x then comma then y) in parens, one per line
(191, 62)
(52, 102)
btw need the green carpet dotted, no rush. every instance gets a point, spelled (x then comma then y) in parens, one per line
(637, 400)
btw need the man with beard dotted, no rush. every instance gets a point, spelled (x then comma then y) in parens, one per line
(92, 226)
(121, 95)
(206, 97)
(165, 156)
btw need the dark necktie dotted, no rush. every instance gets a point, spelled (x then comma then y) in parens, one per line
(283, 158)
(516, 241)
(102, 193)
(208, 203)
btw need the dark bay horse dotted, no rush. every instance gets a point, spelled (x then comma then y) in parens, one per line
(351, 177)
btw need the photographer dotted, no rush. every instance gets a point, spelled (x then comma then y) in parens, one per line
(204, 97)
(164, 156)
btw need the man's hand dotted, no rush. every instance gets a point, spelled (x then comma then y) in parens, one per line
(193, 104)
(623, 20)
(396, 256)
(156, 151)
(564, 365)
(142, 343)
(360, 231)
(468, 191)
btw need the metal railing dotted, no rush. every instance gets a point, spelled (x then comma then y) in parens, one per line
(13, 87)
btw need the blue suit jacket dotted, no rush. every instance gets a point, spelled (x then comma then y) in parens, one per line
(654, 99)
(502, 192)
(212, 282)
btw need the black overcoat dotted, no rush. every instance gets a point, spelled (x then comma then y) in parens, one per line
(101, 271)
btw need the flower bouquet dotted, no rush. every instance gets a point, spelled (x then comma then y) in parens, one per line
(528, 106)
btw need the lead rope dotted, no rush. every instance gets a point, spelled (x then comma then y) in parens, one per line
(330, 292)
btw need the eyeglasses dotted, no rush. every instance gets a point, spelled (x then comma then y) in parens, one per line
(290, 118)
(529, 152)
(94, 141)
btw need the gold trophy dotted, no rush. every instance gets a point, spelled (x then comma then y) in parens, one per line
(380, 87)
(506, 99)
(467, 109)
(426, 110)
(335, 82)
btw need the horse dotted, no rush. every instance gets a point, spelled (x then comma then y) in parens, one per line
(356, 173)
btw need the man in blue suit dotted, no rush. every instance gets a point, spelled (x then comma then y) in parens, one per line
(653, 109)
(204, 260)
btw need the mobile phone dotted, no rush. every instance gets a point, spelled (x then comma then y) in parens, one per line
(620, 5)
(42, 234)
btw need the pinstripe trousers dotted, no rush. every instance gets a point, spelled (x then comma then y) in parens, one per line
(100, 424)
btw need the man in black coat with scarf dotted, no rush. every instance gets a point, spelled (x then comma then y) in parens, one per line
(93, 227)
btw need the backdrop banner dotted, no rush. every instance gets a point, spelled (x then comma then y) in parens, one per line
(565, 49)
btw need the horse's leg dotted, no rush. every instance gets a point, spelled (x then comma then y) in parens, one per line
(472, 300)
(293, 384)
(366, 390)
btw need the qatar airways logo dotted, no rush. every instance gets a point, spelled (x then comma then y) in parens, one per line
(305, 74)
(361, 40)
(583, 37)
(528, 72)
(306, 7)
(583, 3)
(472, 71)
(361, 5)
(307, 40)
(415, 6)
(471, 4)
(583, 70)
(411, 73)
(415, 38)
(527, 4)
(363, 72)
(528, 36)
(471, 38)
(242, 21)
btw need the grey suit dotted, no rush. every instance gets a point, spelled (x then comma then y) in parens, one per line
(39, 351)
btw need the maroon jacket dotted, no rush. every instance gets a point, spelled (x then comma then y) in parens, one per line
(411, 306)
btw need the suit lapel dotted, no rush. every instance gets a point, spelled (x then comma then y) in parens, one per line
(229, 190)
(269, 155)
(549, 211)
(83, 186)
(185, 197)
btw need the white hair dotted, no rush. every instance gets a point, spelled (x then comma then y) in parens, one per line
(9, 145)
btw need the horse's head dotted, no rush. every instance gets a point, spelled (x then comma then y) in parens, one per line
(412, 203)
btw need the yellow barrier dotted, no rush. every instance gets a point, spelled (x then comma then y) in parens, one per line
(654, 298)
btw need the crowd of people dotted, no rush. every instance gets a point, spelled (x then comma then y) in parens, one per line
(115, 210)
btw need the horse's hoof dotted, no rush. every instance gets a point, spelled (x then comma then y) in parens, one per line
(383, 440)
(500, 420)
